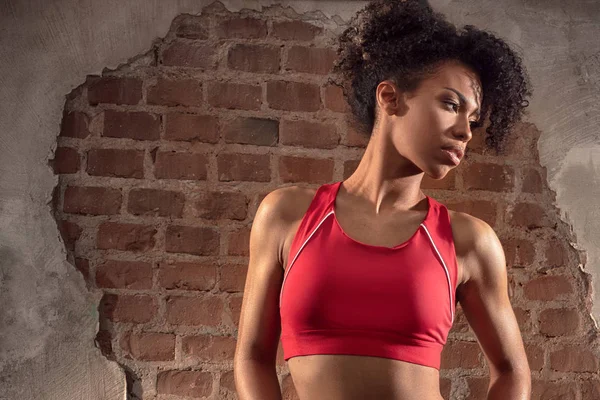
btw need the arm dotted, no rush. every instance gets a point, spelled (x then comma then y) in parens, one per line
(255, 372)
(486, 305)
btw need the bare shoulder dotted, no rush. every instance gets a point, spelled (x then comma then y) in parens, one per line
(473, 239)
(280, 212)
(289, 202)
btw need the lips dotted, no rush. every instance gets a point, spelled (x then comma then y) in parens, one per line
(456, 150)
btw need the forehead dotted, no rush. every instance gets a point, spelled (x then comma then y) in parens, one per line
(457, 76)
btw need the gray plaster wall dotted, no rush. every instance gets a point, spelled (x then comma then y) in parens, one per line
(48, 319)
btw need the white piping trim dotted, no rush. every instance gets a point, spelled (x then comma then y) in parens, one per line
(298, 253)
(445, 269)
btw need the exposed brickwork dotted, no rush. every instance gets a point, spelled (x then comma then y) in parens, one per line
(163, 164)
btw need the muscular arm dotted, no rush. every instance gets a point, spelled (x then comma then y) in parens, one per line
(260, 327)
(486, 305)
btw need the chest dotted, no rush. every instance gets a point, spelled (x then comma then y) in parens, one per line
(391, 233)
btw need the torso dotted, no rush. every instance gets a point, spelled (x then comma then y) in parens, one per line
(348, 377)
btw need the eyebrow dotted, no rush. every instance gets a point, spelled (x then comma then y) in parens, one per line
(464, 100)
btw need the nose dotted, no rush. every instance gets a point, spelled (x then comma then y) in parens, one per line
(463, 129)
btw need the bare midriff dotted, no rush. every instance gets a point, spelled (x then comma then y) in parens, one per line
(350, 377)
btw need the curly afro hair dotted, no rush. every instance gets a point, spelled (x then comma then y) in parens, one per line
(406, 41)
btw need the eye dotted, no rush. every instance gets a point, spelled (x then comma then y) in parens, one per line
(452, 105)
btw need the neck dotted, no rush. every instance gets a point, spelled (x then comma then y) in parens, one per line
(384, 180)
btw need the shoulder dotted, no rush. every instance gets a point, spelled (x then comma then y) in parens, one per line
(287, 203)
(477, 245)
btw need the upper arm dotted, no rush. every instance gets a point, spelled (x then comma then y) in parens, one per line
(486, 304)
(259, 325)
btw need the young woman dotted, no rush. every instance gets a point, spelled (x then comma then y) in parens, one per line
(361, 278)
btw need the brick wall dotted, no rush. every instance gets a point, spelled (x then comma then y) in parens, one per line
(163, 162)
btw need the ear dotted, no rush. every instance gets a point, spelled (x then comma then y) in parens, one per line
(389, 98)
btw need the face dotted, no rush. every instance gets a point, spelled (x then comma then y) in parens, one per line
(441, 112)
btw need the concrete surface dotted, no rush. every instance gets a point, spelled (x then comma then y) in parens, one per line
(48, 319)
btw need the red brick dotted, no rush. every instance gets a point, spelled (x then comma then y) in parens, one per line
(482, 209)
(185, 383)
(518, 252)
(239, 241)
(478, 387)
(523, 319)
(227, 381)
(189, 54)
(70, 233)
(522, 143)
(548, 287)
(309, 134)
(235, 95)
(209, 348)
(556, 254)
(460, 325)
(574, 359)
(75, 124)
(535, 356)
(254, 58)
(131, 125)
(295, 30)
(493, 177)
(532, 181)
(181, 165)
(301, 169)
(187, 276)
(189, 127)
(233, 277)
(66, 161)
(202, 241)
(350, 167)
(354, 137)
(193, 311)
(148, 346)
(114, 90)
(191, 26)
(124, 275)
(164, 203)
(293, 96)
(222, 205)
(544, 390)
(244, 167)
(128, 308)
(334, 100)
(235, 309)
(461, 355)
(311, 60)
(590, 389)
(181, 92)
(126, 237)
(117, 163)
(244, 28)
(530, 216)
(448, 182)
(92, 200)
(256, 131)
(103, 341)
(83, 266)
(445, 387)
(559, 322)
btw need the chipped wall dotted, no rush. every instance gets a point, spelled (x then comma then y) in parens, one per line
(48, 319)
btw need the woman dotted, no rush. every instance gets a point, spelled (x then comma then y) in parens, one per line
(361, 278)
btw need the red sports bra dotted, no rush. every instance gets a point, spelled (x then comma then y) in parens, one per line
(340, 296)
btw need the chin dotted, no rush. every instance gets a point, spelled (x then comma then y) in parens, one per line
(438, 173)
